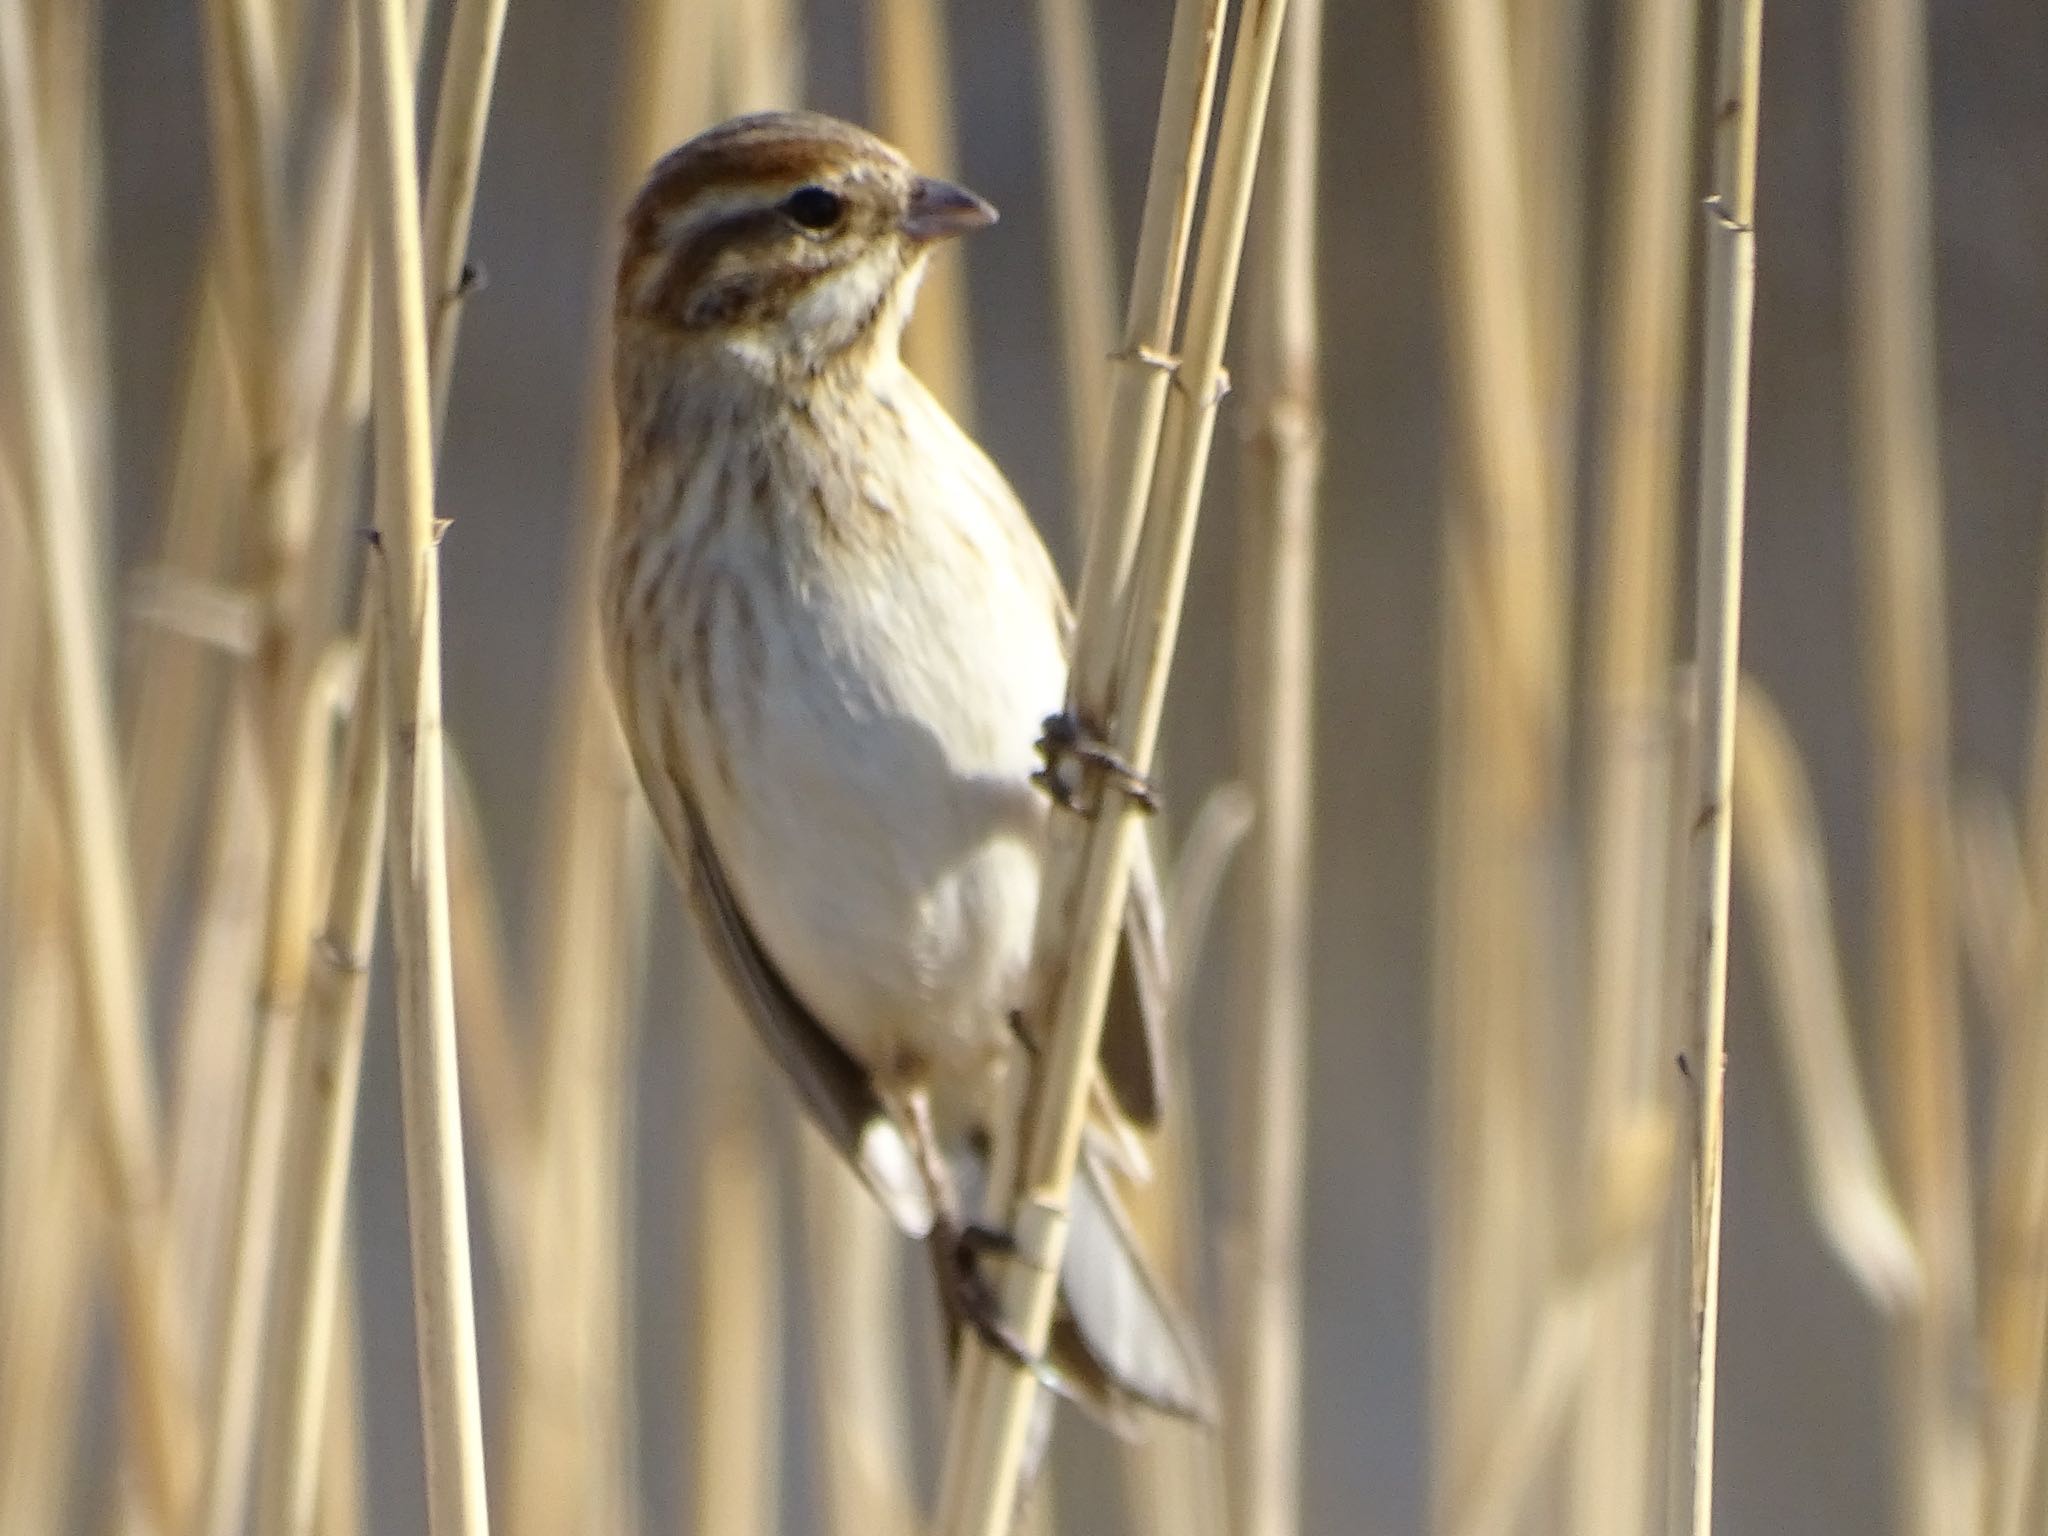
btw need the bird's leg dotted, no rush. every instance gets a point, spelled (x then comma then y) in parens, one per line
(957, 1245)
(1077, 760)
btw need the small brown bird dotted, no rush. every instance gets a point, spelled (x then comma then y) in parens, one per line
(833, 635)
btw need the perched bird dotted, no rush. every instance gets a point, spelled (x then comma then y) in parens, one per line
(833, 635)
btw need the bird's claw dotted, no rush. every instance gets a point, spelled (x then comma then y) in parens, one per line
(1076, 764)
(971, 1300)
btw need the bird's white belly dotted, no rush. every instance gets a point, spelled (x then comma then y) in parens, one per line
(874, 809)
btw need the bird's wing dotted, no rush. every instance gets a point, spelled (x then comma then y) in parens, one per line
(834, 1088)
(1133, 1051)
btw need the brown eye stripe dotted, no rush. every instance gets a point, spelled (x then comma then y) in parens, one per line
(684, 272)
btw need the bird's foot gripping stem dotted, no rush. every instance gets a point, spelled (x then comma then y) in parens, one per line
(971, 1300)
(1078, 762)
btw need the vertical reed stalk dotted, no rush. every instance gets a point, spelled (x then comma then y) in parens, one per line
(1502, 761)
(2015, 1325)
(1262, 1320)
(50, 1234)
(88, 799)
(911, 92)
(1724, 461)
(406, 574)
(1077, 176)
(1629, 1038)
(289, 923)
(1088, 860)
(1906, 652)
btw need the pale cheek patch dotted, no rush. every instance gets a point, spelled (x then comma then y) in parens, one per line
(839, 307)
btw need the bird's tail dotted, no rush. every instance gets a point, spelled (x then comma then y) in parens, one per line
(1119, 1342)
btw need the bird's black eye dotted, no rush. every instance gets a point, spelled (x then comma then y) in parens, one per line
(814, 207)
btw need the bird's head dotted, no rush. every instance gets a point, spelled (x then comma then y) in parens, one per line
(788, 241)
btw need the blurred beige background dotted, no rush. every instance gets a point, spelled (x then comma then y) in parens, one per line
(1801, 1397)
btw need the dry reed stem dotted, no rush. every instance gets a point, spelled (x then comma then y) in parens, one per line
(1628, 1029)
(215, 1019)
(49, 1228)
(69, 38)
(911, 95)
(855, 1282)
(1785, 871)
(289, 919)
(89, 802)
(2015, 1324)
(1502, 754)
(1175, 1482)
(340, 1511)
(326, 1069)
(588, 927)
(1084, 248)
(1724, 458)
(469, 68)
(1088, 857)
(406, 574)
(1994, 907)
(1631, 1189)
(1905, 641)
(493, 1034)
(172, 706)
(1262, 1313)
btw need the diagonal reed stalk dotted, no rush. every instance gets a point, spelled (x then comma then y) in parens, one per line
(1724, 460)
(1123, 652)
(88, 799)
(1262, 1316)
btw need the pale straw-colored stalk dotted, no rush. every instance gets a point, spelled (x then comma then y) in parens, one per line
(326, 1071)
(1123, 654)
(461, 112)
(497, 1086)
(1629, 1037)
(1084, 248)
(1494, 1255)
(1175, 1480)
(1262, 1324)
(405, 573)
(88, 799)
(911, 93)
(1994, 908)
(1630, 1192)
(1780, 856)
(50, 1232)
(2015, 1324)
(289, 918)
(1904, 629)
(69, 39)
(342, 1488)
(1724, 461)
(174, 700)
(570, 1449)
(215, 1019)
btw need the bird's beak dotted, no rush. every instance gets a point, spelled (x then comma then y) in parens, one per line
(939, 210)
